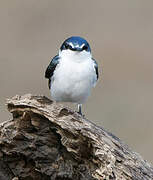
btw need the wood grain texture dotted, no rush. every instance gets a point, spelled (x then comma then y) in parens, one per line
(46, 141)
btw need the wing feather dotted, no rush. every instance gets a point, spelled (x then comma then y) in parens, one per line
(96, 68)
(50, 69)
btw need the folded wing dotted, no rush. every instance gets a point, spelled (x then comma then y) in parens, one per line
(50, 69)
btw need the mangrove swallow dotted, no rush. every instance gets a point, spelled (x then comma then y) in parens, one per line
(73, 72)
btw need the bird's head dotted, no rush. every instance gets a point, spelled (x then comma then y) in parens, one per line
(75, 46)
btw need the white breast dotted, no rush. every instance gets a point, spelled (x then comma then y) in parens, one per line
(73, 79)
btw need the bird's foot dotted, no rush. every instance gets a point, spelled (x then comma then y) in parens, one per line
(80, 110)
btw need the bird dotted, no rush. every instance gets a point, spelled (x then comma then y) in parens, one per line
(73, 72)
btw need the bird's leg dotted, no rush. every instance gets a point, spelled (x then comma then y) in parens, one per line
(80, 109)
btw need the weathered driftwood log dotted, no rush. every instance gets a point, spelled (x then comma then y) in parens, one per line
(46, 141)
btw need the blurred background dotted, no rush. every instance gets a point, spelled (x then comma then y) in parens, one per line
(121, 37)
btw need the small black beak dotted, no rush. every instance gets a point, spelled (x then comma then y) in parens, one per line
(76, 49)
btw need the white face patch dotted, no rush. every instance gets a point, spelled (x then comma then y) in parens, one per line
(76, 45)
(71, 44)
(82, 45)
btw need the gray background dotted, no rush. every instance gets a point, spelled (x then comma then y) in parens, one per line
(121, 37)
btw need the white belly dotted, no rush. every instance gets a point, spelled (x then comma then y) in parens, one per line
(72, 81)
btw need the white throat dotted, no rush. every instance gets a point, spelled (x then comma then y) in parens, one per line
(75, 56)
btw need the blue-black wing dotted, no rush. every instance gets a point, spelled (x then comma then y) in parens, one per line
(96, 67)
(50, 69)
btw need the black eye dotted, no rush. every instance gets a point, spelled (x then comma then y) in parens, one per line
(66, 46)
(85, 48)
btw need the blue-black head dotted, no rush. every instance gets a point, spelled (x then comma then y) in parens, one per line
(76, 43)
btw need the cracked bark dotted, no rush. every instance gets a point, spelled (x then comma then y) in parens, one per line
(46, 141)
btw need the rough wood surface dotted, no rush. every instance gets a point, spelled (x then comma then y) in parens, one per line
(46, 141)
